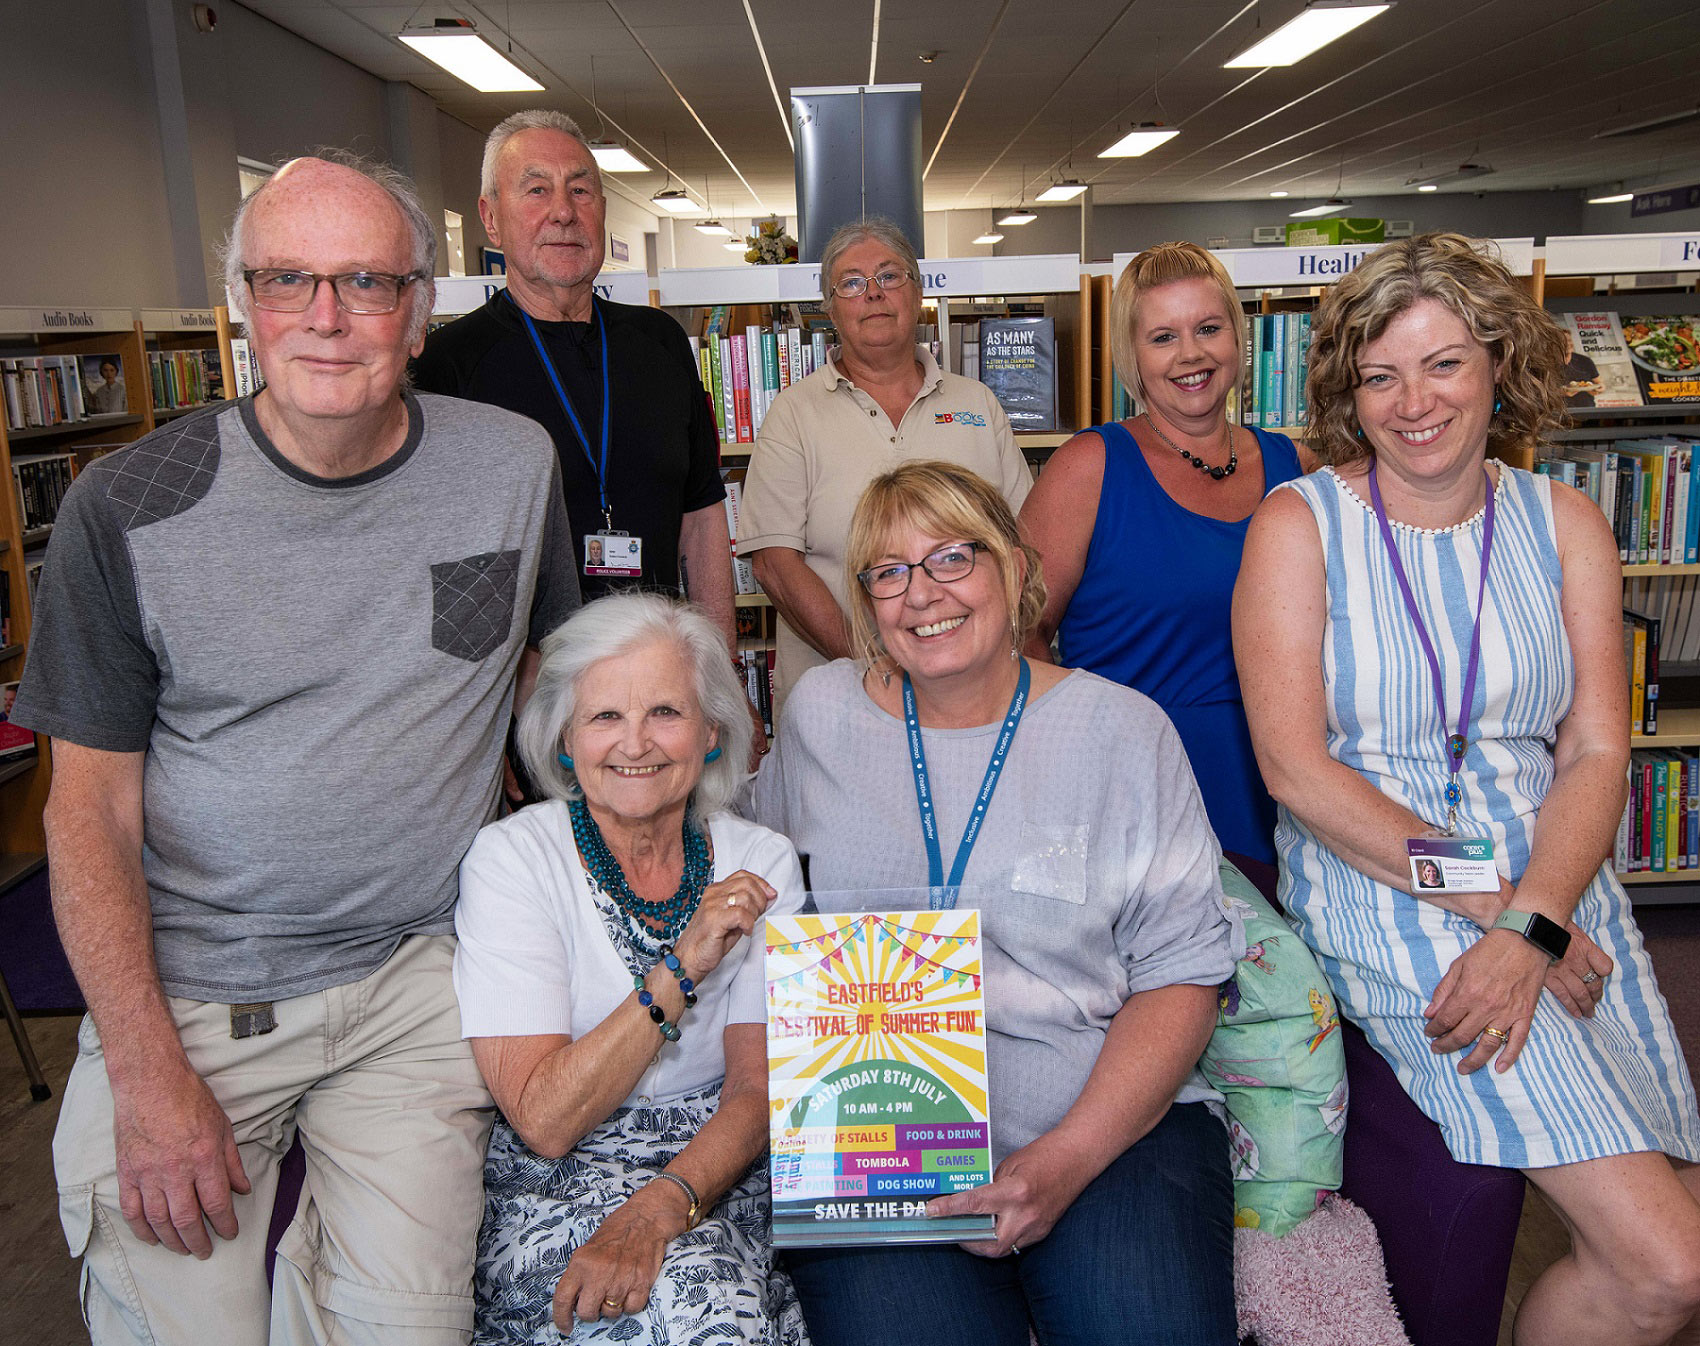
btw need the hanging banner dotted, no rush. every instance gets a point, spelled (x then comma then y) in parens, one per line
(876, 1051)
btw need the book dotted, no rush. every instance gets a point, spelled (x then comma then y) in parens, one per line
(1665, 351)
(1018, 362)
(1601, 372)
(1643, 672)
(15, 740)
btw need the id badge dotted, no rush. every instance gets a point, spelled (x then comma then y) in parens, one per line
(611, 553)
(1452, 865)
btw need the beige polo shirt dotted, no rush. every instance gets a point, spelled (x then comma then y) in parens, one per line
(823, 440)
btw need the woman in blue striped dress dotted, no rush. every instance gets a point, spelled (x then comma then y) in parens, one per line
(1429, 643)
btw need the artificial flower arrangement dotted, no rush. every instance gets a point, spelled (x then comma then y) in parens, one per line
(770, 245)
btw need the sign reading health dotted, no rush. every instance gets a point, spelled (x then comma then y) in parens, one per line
(876, 1050)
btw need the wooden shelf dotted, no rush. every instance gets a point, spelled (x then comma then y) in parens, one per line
(11, 652)
(1651, 876)
(1678, 726)
(16, 867)
(87, 426)
(752, 600)
(1653, 569)
(13, 767)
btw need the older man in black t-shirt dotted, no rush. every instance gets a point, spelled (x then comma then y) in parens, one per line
(615, 385)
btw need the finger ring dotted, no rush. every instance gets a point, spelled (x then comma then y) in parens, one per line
(1499, 1033)
(732, 901)
(612, 1303)
(1590, 977)
(1015, 1250)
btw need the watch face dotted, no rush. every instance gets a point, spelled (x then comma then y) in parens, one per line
(1548, 936)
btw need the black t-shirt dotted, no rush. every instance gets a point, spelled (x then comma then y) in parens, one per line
(664, 455)
(1580, 369)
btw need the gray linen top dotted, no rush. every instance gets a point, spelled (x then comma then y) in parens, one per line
(1095, 869)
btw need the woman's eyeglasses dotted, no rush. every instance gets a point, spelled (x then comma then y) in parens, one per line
(946, 565)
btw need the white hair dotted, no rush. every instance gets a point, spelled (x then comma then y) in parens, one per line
(877, 228)
(533, 119)
(606, 629)
(421, 295)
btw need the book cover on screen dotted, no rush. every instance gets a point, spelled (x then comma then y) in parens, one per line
(876, 1050)
(1018, 362)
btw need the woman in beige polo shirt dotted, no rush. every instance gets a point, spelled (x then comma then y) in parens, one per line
(879, 400)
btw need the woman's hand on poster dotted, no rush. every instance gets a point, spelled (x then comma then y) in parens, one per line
(1028, 1194)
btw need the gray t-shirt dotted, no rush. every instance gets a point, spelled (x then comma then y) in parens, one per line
(320, 672)
(1095, 870)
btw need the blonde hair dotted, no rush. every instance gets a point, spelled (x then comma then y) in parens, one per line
(1526, 345)
(950, 502)
(1162, 265)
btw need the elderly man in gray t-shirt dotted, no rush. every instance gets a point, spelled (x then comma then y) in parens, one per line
(277, 646)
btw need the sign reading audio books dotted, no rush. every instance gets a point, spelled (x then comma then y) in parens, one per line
(876, 1050)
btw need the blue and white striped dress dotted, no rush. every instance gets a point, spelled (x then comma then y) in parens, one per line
(1583, 1088)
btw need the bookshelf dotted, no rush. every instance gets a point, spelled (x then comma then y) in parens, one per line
(31, 333)
(1593, 259)
(188, 334)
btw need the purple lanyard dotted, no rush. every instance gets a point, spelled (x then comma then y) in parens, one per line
(1456, 743)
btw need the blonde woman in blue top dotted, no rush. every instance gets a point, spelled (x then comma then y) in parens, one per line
(1430, 643)
(1141, 523)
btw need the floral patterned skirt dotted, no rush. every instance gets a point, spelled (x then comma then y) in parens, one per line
(717, 1284)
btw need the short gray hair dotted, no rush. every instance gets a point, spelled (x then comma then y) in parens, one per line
(877, 228)
(533, 119)
(613, 626)
(422, 294)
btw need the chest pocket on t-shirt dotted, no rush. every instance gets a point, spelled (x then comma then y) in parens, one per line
(472, 603)
(1052, 862)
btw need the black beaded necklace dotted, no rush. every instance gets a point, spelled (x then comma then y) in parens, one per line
(646, 920)
(1217, 472)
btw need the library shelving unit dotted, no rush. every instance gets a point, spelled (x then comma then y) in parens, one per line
(45, 332)
(1606, 257)
(168, 330)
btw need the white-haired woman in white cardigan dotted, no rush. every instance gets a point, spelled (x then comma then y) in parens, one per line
(614, 999)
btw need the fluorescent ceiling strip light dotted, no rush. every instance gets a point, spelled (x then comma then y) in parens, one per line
(675, 201)
(1428, 187)
(739, 248)
(1061, 191)
(612, 158)
(713, 228)
(471, 60)
(1314, 27)
(1273, 194)
(989, 237)
(1020, 215)
(1612, 200)
(1332, 206)
(1140, 140)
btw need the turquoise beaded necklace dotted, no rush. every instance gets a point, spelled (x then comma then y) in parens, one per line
(646, 920)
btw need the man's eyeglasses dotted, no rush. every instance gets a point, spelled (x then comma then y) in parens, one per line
(946, 565)
(854, 287)
(281, 290)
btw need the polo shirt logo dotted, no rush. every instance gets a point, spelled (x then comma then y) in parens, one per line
(958, 418)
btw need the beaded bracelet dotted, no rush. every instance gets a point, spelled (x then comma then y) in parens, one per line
(686, 985)
(659, 1015)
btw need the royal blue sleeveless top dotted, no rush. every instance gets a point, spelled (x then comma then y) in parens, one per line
(1152, 612)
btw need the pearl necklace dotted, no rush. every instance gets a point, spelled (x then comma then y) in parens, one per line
(1217, 472)
(645, 919)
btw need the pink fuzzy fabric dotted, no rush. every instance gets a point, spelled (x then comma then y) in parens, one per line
(1322, 1284)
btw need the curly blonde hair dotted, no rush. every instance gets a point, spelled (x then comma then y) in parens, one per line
(1162, 265)
(947, 501)
(1526, 345)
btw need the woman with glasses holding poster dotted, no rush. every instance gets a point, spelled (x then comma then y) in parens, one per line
(1430, 648)
(1062, 806)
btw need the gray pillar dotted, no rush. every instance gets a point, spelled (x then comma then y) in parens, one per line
(416, 150)
(858, 153)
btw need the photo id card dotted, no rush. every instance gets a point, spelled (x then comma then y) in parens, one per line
(1452, 865)
(613, 554)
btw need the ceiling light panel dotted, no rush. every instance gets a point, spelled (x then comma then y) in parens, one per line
(1061, 191)
(1314, 27)
(1140, 140)
(471, 60)
(612, 158)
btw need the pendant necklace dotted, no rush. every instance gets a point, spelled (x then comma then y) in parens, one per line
(1217, 472)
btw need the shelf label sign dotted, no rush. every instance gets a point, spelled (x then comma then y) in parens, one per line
(1681, 251)
(179, 320)
(1664, 201)
(462, 294)
(1252, 268)
(66, 320)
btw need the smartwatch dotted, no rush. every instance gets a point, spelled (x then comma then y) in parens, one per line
(1548, 936)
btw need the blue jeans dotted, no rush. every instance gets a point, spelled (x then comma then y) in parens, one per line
(1144, 1255)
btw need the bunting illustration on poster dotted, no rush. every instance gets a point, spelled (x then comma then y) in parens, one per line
(877, 1075)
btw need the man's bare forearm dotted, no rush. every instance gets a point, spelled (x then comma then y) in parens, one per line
(803, 600)
(706, 549)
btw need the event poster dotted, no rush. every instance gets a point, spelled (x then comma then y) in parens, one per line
(876, 1051)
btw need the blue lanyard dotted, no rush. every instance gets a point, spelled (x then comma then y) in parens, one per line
(1456, 743)
(599, 466)
(942, 895)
